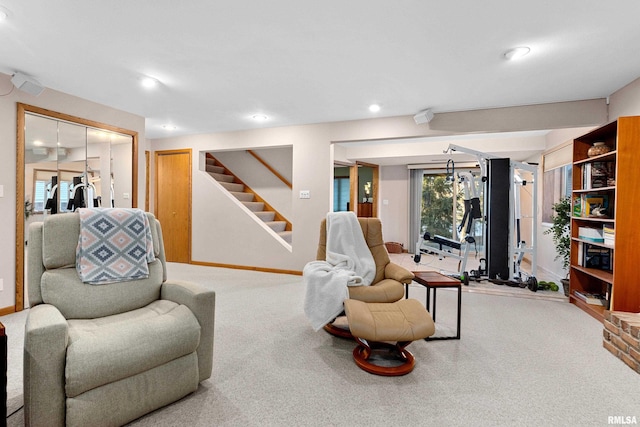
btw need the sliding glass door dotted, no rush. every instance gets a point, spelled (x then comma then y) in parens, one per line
(443, 208)
(437, 212)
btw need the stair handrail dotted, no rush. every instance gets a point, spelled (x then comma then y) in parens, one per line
(270, 168)
(258, 198)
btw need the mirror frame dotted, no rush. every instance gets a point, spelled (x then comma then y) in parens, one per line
(20, 167)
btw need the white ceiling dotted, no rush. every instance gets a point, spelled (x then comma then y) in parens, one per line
(298, 62)
(435, 152)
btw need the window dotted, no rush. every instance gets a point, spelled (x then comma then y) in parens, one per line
(557, 185)
(64, 195)
(39, 199)
(557, 179)
(437, 206)
(441, 216)
(341, 194)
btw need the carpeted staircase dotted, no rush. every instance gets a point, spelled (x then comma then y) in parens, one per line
(248, 198)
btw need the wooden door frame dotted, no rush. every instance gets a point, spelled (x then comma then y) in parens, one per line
(353, 184)
(155, 187)
(147, 184)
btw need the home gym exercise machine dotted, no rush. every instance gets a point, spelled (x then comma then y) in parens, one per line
(503, 182)
(521, 248)
(444, 248)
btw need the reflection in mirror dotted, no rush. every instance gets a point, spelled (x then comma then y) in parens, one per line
(55, 158)
(68, 166)
(65, 163)
(72, 154)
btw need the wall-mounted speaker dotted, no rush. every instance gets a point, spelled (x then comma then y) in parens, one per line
(27, 84)
(423, 117)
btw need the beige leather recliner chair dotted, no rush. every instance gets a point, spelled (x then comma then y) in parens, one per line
(108, 354)
(390, 278)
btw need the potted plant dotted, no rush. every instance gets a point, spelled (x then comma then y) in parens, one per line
(560, 233)
(28, 208)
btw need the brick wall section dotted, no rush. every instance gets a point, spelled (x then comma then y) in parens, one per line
(622, 337)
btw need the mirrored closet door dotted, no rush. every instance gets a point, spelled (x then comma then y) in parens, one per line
(65, 163)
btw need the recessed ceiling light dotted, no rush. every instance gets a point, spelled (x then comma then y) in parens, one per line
(516, 53)
(169, 127)
(374, 108)
(259, 117)
(4, 13)
(149, 82)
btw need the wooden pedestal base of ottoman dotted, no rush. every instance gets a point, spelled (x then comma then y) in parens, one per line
(389, 327)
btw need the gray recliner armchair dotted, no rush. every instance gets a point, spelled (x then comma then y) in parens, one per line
(108, 354)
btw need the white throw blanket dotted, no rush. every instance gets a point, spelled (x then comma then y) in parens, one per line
(348, 263)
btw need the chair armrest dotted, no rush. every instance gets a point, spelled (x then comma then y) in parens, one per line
(395, 272)
(201, 301)
(45, 345)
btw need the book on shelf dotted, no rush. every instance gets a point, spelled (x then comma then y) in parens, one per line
(608, 234)
(597, 257)
(580, 255)
(602, 174)
(586, 176)
(591, 233)
(598, 175)
(593, 299)
(576, 205)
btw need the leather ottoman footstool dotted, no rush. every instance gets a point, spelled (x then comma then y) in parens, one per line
(389, 327)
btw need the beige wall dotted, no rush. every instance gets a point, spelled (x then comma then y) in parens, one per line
(55, 101)
(312, 167)
(393, 204)
(242, 241)
(626, 101)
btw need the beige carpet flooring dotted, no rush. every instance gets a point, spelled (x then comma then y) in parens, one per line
(431, 262)
(520, 362)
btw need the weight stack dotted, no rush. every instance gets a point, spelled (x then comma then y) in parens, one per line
(498, 214)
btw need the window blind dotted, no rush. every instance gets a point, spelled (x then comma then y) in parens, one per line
(558, 157)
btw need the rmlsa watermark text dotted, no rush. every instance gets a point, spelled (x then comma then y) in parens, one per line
(622, 419)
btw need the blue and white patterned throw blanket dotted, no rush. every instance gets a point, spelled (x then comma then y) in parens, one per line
(115, 245)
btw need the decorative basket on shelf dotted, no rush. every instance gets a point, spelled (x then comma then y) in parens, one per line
(597, 149)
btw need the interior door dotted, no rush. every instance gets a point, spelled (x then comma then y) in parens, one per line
(173, 202)
(364, 189)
